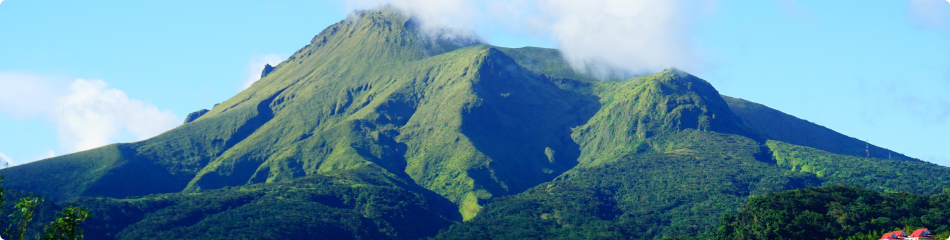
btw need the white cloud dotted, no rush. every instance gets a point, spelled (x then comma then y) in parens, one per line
(86, 113)
(91, 115)
(634, 36)
(256, 65)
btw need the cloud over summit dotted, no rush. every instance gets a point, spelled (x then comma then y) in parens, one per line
(599, 36)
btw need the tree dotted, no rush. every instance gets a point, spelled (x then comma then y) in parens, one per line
(66, 225)
(23, 214)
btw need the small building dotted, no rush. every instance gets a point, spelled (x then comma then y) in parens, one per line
(899, 234)
(919, 234)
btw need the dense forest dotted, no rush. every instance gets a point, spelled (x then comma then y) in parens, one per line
(375, 130)
(353, 204)
(836, 212)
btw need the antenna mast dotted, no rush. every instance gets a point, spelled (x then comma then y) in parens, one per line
(867, 147)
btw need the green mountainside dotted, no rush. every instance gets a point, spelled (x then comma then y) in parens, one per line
(377, 131)
(886, 175)
(675, 193)
(353, 204)
(797, 131)
(680, 185)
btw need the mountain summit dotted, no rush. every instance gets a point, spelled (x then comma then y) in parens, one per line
(377, 130)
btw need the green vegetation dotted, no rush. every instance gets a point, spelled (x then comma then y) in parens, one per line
(883, 175)
(638, 109)
(66, 226)
(835, 212)
(23, 215)
(352, 204)
(776, 125)
(20, 222)
(376, 131)
(675, 193)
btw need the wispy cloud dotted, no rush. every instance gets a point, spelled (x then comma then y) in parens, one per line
(598, 36)
(256, 65)
(87, 113)
(931, 13)
(24, 95)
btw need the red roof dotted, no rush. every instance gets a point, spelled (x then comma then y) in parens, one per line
(923, 232)
(890, 235)
(899, 234)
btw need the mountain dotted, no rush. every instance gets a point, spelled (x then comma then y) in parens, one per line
(377, 130)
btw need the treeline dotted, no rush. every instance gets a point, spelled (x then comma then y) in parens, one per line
(836, 212)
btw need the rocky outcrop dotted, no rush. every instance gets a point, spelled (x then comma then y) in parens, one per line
(195, 115)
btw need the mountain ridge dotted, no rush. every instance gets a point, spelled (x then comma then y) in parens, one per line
(460, 128)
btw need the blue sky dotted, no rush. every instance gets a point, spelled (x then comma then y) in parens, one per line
(75, 75)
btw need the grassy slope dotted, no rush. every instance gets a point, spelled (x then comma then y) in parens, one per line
(776, 125)
(95, 172)
(656, 104)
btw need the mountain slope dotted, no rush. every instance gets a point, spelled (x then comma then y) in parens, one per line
(352, 204)
(656, 104)
(675, 193)
(776, 125)
(503, 142)
(886, 175)
(468, 124)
